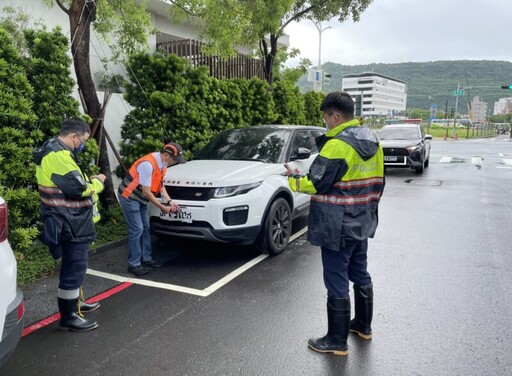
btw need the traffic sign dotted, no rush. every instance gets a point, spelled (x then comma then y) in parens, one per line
(457, 93)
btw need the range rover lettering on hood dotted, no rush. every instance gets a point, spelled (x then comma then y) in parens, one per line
(189, 183)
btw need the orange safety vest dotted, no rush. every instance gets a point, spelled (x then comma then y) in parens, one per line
(130, 187)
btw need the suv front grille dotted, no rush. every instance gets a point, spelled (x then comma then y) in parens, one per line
(395, 151)
(190, 193)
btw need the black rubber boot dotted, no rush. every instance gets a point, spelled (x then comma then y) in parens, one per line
(70, 319)
(84, 307)
(338, 319)
(363, 304)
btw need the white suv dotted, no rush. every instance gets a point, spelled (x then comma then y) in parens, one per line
(12, 309)
(234, 190)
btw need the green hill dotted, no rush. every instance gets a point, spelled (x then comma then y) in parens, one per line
(432, 82)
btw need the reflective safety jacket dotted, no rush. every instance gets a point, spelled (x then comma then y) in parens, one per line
(130, 187)
(346, 181)
(67, 194)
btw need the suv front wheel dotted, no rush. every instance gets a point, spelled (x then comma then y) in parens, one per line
(276, 230)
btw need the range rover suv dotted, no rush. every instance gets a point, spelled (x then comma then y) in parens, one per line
(234, 190)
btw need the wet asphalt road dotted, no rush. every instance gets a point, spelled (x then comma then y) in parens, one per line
(441, 264)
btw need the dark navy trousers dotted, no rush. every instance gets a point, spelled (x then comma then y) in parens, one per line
(347, 264)
(74, 265)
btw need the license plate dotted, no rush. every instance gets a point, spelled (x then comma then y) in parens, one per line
(182, 216)
(390, 158)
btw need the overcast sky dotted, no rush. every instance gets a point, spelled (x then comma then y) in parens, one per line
(395, 31)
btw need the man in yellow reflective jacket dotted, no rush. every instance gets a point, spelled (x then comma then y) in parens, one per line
(68, 211)
(345, 181)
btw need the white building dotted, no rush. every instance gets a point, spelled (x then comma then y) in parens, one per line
(478, 110)
(503, 106)
(382, 95)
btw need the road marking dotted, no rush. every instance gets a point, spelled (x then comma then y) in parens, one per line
(187, 290)
(477, 161)
(446, 160)
(145, 282)
(506, 167)
(298, 234)
(235, 273)
(508, 162)
(56, 316)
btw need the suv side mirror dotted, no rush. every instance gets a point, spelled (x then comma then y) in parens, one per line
(302, 153)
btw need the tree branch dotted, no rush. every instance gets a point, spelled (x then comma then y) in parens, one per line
(187, 11)
(61, 6)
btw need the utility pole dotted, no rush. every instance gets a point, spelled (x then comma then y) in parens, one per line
(318, 84)
(455, 114)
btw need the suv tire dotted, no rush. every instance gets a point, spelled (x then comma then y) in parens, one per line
(276, 230)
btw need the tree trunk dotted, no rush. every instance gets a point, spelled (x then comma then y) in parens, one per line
(269, 57)
(81, 15)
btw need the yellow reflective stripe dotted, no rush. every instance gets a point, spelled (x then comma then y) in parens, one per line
(346, 200)
(359, 183)
(66, 203)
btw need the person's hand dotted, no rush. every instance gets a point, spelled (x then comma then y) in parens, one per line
(165, 209)
(100, 177)
(175, 208)
(291, 171)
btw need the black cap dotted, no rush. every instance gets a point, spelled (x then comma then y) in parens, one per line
(175, 150)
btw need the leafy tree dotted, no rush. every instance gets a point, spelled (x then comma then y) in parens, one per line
(289, 103)
(260, 22)
(15, 21)
(48, 70)
(258, 104)
(124, 25)
(170, 100)
(312, 113)
(16, 143)
(283, 73)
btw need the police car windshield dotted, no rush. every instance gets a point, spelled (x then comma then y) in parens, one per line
(255, 144)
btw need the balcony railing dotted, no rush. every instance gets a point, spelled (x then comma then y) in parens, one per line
(239, 66)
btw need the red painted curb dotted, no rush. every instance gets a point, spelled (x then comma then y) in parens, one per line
(50, 319)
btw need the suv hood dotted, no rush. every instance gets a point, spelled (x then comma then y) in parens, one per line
(219, 173)
(399, 143)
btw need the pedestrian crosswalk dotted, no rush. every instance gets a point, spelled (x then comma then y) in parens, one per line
(500, 160)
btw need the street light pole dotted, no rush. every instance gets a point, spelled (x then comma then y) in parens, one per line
(318, 84)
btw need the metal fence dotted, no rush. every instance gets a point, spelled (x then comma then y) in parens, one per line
(239, 66)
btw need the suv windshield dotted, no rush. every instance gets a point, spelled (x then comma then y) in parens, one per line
(258, 144)
(397, 133)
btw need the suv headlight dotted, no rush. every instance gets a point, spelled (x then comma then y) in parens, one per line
(234, 190)
(412, 149)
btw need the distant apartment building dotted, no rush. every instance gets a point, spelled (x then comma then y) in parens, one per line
(478, 110)
(503, 106)
(382, 95)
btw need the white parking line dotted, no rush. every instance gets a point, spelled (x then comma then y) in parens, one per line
(445, 160)
(145, 282)
(508, 162)
(187, 290)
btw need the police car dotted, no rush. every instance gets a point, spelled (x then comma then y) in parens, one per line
(234, 190)
(12, 308)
